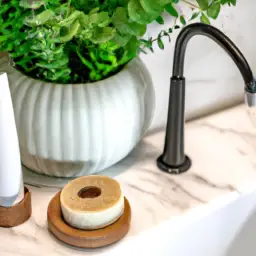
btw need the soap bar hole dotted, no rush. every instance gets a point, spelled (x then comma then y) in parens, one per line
(89, 192)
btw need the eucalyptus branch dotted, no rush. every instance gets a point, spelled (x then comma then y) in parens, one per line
(163, 33)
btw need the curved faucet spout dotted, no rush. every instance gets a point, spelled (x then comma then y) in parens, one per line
(220, 38)
(173, 159)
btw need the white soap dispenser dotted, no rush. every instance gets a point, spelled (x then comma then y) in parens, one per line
(11, 179)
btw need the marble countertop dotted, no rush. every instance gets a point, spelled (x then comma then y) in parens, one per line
(222, 148)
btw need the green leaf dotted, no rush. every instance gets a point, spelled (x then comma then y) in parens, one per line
(152, 7)
(137, 13)
(160, 43)
(54, 65)
(133, 29)
(120, 21)
(214, 10)
(132, 47)
(61, 74)
(87, 63)
(94, 10)
(120, 16)
(71, 18)
(182, 20)
(171, 10)
(137, 29)
(101, 35)
(100, 19)
(41, 18)
(84, 20)
(229, 2)
(70, 32)
(203, 4)
(31, 4)
(121, 40)
(194, 15)
(140, 15)
(147, 43)
(204, 19)
(160, 20)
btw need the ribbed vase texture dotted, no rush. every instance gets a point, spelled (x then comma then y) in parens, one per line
(73, 130)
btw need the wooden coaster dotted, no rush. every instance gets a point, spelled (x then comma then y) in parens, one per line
(83, 238)
(3, 54)
(17, 214)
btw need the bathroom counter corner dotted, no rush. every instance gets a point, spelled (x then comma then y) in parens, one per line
(222, 148)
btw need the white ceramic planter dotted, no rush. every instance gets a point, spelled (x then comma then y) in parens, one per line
(74, 130)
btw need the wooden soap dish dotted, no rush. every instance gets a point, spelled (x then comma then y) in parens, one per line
(83, 238)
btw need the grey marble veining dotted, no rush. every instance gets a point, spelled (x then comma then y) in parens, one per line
(222, 148)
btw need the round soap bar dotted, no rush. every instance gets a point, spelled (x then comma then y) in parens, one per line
(91, 202)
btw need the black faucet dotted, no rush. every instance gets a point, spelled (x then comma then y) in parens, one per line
(173, 160)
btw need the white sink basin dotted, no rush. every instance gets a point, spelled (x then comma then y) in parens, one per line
(243, 230)
(227, 228)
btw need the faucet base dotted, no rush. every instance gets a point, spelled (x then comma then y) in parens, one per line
(174, 169)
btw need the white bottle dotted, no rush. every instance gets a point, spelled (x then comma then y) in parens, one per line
(11, 179)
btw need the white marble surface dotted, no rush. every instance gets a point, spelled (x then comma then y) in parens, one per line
(223, 149)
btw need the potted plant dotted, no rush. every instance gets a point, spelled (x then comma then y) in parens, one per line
(82, 98)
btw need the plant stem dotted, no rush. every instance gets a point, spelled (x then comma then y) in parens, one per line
(191, 4)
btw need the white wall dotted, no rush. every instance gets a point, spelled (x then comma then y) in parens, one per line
(213, 80)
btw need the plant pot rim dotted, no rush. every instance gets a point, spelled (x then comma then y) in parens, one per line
(45, 83)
